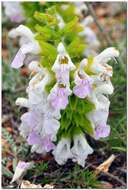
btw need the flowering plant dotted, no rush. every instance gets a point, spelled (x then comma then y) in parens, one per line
(69, 81)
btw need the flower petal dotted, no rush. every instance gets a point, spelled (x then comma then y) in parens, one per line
(18, 60)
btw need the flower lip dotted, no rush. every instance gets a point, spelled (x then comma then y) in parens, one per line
(60, 85)
(63, 60)
(102, 130)
(81, 76)
(104, 77)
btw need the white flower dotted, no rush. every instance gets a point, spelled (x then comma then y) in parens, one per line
(21, 168)
(63, 61)
(35, 101)
(38, 149)
(80, 150)
(62, 66)
(106, 55)
(22, 102)
(62, 151)
(105, 88)
(90, 37)
(22, 31)
(51, 127)
(27, 42)
(101, 114)
(34, 66)
(36, 91)
(80, 7)
(14, 11)
(100, 88)
(99, 117)
(40, 80)
(24, 130)
(91, 40)
(52, 112)
(87, 21)
(100, 61)
(40, 124)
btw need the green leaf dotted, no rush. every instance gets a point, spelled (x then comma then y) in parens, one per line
(76, 44)
(45, 32)
(84, 106)
(69, 113)
(67, 13)
(65, 122)
(76, 130)
(82, 122)
(46, 18)
(49, 51)
(52, 10)
(86, 127)
(72, 102)
(72, 26)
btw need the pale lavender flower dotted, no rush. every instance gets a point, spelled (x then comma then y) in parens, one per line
(98, 118)
(63, 76)
(100, 115)
(18, 60)
(83, 87)
(23, 165)
(44, 142)
(21, 168)
(43, 123)
(14, 11)
(63, 61)
(30, 119)
(102, 130)
(50, 126)
(28, 45)
(58, 97)
(91, 40)
(34, 138)
(29, 123)
(47, 143)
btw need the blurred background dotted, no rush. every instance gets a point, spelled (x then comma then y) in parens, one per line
(110, 27)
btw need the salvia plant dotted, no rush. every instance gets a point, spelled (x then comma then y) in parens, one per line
(69, 82)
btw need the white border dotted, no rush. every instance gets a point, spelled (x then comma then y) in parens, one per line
(1, 59)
